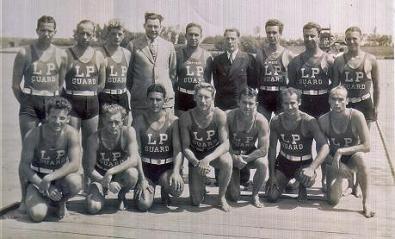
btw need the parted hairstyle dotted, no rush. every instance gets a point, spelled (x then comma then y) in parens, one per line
(46, 19)
(192, 24)
(354, 29)
(58, 102)
(205, 85)
(153, 16)
(290, 91)
(157, 88)
(312, 25)
(112, 109)
(232, 30)
(273, 23)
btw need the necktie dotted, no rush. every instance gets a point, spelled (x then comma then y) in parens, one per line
(152, 50)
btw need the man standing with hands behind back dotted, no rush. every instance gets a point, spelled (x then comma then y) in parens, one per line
(153, 61)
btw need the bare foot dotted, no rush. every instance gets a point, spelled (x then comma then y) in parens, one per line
(302, 195)
(62, 211)
(22, 208)
(256, 202)
(368, 212)
(346, 192)
(223, 204)
(122, 200)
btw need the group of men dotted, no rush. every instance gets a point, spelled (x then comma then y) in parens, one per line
(185, 104)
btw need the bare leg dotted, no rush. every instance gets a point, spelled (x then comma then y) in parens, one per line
(36, 205)
(95, 198)
(363, 179)
(258, 180)
(224, 164)
(273, 194)
(88, 127)
(197, 187)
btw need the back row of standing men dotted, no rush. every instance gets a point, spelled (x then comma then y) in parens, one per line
(93, 77)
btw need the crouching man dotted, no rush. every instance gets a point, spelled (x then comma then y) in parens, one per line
(348, 135)
(50, 161)
(295, 130)
(112, 159)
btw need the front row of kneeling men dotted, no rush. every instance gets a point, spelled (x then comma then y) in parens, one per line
(150, 153)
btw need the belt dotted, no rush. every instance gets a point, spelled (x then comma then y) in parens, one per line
(272, 88)
(157, 161)
(41, 170)
(191, 92)
(81, 92)
(40, 92)
(296, 158)
(359, 99)
(114, 92)
(314, 92)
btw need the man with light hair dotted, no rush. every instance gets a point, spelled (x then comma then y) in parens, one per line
(205, 141)
(348, 135)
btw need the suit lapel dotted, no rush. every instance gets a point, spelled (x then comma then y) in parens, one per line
(236, 64)
(145, 49)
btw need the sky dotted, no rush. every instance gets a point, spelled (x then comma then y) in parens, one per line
(19, 16)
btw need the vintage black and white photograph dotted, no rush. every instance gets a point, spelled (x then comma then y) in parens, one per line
(197, 119)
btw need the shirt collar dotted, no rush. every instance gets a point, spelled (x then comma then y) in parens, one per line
(233, 54)
(154, 42)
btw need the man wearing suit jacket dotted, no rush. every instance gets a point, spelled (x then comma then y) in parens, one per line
(153, 60)
(230, 71)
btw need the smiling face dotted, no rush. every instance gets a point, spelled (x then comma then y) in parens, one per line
(84, 34)
(193, 36)
(152, 28)
(311, 38)
(45, 32)
(57, 119)
(273, 34)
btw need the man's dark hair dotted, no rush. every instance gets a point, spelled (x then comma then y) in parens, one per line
(290, 91)
(232, 30)
(157, 88)
(153, 16)
(273, 23)
(192, 24)
(312, 25)
(59, 103)
(46, 19)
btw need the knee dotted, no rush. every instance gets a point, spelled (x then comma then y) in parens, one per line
(226, 162)
(273, 195)
(74, 184)
(131, 177)
(144, 204)
(94, 206)
(332, 198)
(358, 159)
(260, 164)
(38, 212)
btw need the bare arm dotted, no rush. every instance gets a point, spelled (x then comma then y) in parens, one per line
(137, 124)
(28, 147)
(223, 137)
(185, 122)
(102, 71)
(19, 66)
(376, 84)
(320, 140)
(272, 153)
(263, 141)
(74, 154)
(177, 154)
(91, 149)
